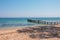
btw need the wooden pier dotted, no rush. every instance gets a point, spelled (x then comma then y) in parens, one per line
(43, 22)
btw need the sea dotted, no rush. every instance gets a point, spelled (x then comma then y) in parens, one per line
(21, 22)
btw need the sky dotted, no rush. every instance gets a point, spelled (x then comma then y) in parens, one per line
(29, 8)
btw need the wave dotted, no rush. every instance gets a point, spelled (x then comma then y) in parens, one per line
(15, 24)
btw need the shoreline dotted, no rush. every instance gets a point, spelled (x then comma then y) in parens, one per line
(15, 34)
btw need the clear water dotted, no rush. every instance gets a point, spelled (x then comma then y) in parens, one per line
(10, 22)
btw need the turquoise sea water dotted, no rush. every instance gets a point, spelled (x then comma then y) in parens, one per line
(10, 22)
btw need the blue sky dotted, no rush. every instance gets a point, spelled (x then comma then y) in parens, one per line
(29, 8)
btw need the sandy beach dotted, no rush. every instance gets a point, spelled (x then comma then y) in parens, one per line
(15, 34)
